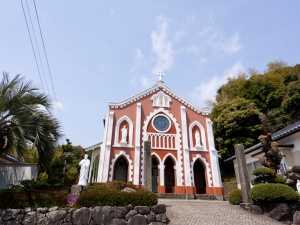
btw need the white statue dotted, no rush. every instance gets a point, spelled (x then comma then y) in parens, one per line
(124, 134)
(298, 185)
(197, 138)
(84, 170)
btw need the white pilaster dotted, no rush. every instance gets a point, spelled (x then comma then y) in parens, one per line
(186, 154)
(137, 152)
(214, 163)
(108, 147)
(102, 152)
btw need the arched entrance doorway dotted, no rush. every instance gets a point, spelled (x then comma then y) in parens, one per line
(199, 178)
(154, 174)
(169, 175)
(121, 168)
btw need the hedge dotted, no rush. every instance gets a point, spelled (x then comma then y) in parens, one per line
(22, 198)
(269, 179)
(263, 171)
(273, 193)
(101, 195)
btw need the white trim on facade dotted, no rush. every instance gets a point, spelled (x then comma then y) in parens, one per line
(137, 152)
(108, 146)
(207, 169)
(186, 152)
(175, 168)
(214, 162)
(102, 153)
(130, 166)
(153, 89)
(202, 137)
(130, 134)
(177, 142)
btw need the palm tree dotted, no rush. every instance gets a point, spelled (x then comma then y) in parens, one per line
(26, 119)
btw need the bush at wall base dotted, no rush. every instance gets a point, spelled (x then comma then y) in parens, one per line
(263, 193)
(235, 197)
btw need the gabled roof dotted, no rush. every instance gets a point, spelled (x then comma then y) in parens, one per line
(289, 130)
(93, 147)
(159, 86)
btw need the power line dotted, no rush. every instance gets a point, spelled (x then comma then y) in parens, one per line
(37, 16)
(46, 56)
(37, 65)
(37, 47)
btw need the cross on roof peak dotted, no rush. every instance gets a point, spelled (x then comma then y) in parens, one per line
(160, 74)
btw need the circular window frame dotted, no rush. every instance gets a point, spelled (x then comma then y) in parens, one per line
(164, 131)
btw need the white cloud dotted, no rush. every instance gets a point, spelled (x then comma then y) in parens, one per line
(161, 46)
(208, 90)
(145, 81)
(58, 105)
(232, 44)
(138, 56)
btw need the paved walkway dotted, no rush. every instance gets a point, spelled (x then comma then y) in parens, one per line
(203, 212)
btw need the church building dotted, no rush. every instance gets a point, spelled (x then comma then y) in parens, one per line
(183, 154)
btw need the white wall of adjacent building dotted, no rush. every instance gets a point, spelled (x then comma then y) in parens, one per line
(12, 173)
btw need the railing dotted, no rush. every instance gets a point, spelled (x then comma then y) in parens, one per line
(162, 141)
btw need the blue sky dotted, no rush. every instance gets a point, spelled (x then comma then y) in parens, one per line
(102, 51)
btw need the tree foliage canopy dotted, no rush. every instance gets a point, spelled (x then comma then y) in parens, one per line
(239, 102)
(26, 120)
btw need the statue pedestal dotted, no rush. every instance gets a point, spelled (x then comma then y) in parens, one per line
(76, 190)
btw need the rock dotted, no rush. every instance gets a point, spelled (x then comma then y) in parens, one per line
(296, 168)
(19, 218)
(137, 220)
(143, 210)
(156, 223)
(161, 217)
(255, 209)
(28, 209)
(130, 214)
(289, 169)
(129, 207)
(128, 190)
(56, 217)
(296, 217)
(81, 216)
(280, 212)
(42, 210)
(68, 217)
(117, 221)
(151, 217)
(290, 182)
(30, 218)
(54, 208)
(157, 209)
(120, 212)
(67, 224)
(10, 214)
(101, 214)
(294, 176)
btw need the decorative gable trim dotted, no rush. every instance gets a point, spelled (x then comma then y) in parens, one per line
(164, 88)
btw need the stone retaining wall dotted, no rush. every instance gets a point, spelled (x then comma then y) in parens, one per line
(106, 215)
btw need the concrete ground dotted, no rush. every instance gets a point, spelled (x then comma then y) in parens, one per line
(198, 212)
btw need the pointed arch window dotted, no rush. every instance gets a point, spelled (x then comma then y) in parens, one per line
(161, 100)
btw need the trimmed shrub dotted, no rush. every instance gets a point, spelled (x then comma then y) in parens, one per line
(263, 171)
(22, 198)
(119, 185)
(235, 197)
(269, 179)
(263, 193)
(101, 195)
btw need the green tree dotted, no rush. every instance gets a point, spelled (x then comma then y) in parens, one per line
(235, 121)
(64, 166)
(26, 120)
